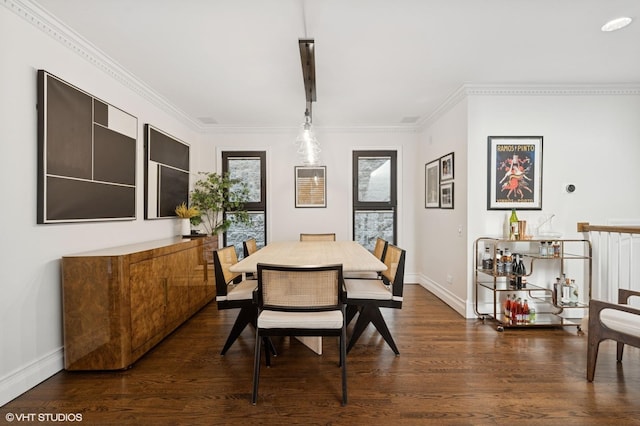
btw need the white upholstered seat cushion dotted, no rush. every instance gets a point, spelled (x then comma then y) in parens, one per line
(306, 320)
(241, 291)
(623, 322)
(372, 275)
(367, 289)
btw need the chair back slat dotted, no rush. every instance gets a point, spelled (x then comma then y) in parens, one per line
(303, 288)
(394, 274)
(317, 237)
(223, 259)
(250, 246)
(380, 248)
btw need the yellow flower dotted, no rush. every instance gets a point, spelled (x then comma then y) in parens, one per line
(186, 212)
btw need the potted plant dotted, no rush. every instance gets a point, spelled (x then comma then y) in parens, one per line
(213, 194)
(188, 216)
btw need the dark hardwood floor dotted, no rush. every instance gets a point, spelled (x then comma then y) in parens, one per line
(450, 371)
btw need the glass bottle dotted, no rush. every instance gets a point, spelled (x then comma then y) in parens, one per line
(513, 276)
(513, 225)
(487, 259)
(507, 306)
(566, 293)
(519, 307)
(499, 264)
(557, 292)
(522, 271)
(508, 261)
(543, 249)
(573, 295)
(532, 313)
(525, 312)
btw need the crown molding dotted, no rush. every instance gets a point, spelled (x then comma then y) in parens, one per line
(472, 89)
(45, 22)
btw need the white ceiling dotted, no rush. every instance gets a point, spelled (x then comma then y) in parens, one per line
(377, 61)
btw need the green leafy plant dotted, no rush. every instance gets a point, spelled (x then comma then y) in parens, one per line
(213, 195)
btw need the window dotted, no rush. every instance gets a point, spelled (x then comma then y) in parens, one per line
(250, 168)
(374, 196)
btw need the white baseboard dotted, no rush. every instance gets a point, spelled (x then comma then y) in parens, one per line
(21, 380)
(457, 304)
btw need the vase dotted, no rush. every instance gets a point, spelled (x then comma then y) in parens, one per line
(185, 227)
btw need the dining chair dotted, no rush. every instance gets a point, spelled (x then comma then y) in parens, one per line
(378, 251)
(366, 297)
(249, 247)
(300, 301)
(233, 292)
(616, 321)
(317, 237)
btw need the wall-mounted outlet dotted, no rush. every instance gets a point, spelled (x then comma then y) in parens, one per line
(460, 229)
(449, 279)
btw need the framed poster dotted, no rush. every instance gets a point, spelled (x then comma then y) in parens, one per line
(514, 173)
(432, 185)
(311, 186)
(446, 167)
(446, 195)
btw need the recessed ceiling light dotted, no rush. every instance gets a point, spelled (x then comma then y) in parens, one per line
(616, 24)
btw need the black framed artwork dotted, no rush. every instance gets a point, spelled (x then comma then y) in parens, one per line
(166, 177)
(432, 185)
(446, 167)
(86, 156)
(514, 173)
(446, 195)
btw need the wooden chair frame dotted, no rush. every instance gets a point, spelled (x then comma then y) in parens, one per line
(598, 331)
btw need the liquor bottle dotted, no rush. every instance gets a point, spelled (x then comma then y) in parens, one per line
(573, 295)
(566, 293)
(516, 278)
(508, 261)
(519, 307)
(522, 271)
(557, 292)
(499, 264)
(532, 313)
(525, 311)
(507, 306)
(513, 225)
(487, 259)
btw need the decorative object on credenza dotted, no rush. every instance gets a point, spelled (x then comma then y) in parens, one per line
(514, 173)
(311, 186)
(446, 167)
(446, 195)
(432, 185)
(188, 216)
(166, 174)
(220, 201)
(86, 156)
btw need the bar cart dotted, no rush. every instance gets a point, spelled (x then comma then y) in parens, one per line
(554, 290)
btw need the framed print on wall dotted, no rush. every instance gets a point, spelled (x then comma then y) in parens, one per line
(514, 173)
(311, 186)
(446, 167)
(446, 195)
(432, 185)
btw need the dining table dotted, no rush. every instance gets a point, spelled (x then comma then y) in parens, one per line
(350, 254)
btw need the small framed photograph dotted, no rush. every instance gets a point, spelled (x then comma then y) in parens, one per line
(446, 167)
(514, 173)
(446, 195)
(311, 186)
(431, 185)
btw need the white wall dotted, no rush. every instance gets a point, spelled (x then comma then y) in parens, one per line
(30, 288)
(590, 140)
(442, 233)
(285, 222)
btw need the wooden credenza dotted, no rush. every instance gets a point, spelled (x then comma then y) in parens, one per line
(120, 302)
